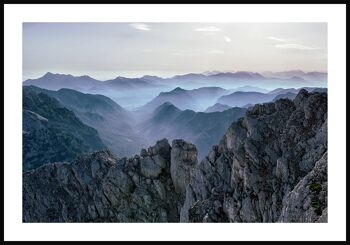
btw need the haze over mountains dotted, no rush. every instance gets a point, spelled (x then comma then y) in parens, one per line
(269, 166)
(129, 114)
(53, 133)
(175, 122)
(308, 76)
(194, 99)
(113, 123)
(202, 129)
(135, 92)
(217, 107)
(238, 154)
(244, 98)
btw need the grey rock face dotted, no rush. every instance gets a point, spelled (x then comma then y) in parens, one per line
(183, 160)
(309, 195)
(149, 168)
(101, 188)
(264, 167)
(270, 166)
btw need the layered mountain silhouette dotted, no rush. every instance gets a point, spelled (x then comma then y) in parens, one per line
(57, 81)
(169, 114)
(248, 88)
(113, 123)
(135, 92)
(53, 81)
(268, 166)
(246, 78)
(121, 89)
(242, 99)
(202, 129)
(52, 133)
(194, 99)
(127, 83)
(217, 107)
(200, 147)
(309, 76)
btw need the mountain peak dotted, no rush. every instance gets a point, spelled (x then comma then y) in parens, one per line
(48, 75)
(86, 77)
(150, 77)
(51, 75)
(120, 78)
(164, 112)
(178, 89)
(166, 107)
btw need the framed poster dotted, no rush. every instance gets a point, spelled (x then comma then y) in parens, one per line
(154, 118)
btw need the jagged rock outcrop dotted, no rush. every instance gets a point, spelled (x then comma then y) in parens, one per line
(270, 166)
(309, 195)
(101, 188)
(183, 160)
(263, 165)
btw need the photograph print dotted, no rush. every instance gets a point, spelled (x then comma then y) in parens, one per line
(190, 122)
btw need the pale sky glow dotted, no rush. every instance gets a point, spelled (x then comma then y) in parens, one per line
(140, 26)
(108, 50)
(227, 39)
(208, 29)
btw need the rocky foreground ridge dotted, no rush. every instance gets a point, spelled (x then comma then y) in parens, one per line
(270, 166)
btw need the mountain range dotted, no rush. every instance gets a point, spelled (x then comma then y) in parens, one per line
(57, 81)
(125, 132)
(113, 123)
(217, 107)
(200, 116)
(202, 129)
(52, 133)
(135, 92)
(194, 99)
(308, 76)
(242, 99)
(202, 98)
(120, 89)
(269, 166)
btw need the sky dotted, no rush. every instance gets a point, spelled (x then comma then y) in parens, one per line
(107, 50)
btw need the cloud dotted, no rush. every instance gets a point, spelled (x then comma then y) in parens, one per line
(277, 39)
(287, 45)
(140, 26)
(293, 46)
(227, 39)
(208, 29)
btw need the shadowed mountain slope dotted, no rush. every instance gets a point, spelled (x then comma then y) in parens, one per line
(270, 166)
(53, 133)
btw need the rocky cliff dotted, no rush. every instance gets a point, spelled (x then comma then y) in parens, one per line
(270, 166)
(99, 187)
(263, 165)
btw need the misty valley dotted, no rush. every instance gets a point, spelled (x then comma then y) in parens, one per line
(199, 147)
(108, 115)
